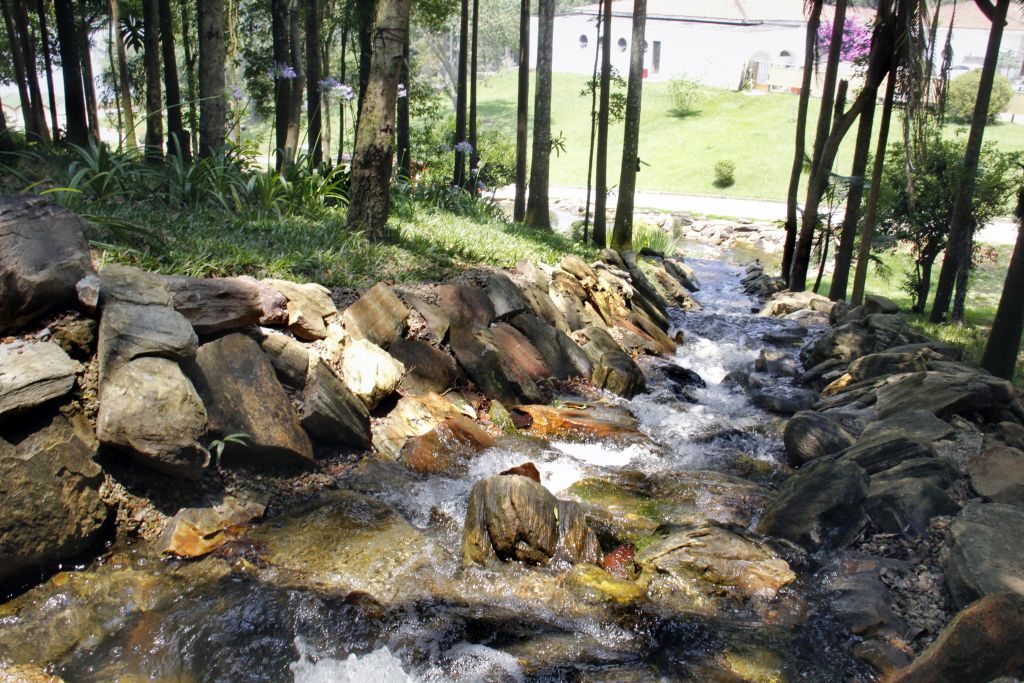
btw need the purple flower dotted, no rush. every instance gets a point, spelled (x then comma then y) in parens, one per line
(464, 147)
(236, 93)
(328, 84)
(280, 70)
(856, 39)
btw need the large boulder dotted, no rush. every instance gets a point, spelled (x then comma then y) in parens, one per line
(222, 303)
(822, 505)
(618, 373)
(945, 393)
(982, 554)
(447, 447)
(129, 330)
(998, 475)
(308, 305)
(883, 450)
(810, 435)
(980, 644)
(132, 285)
(43, 254)
(465, 306)
(906, 505)
(33, 374)
(856, 338)
(330, 413)
(242, 395)
(412, 416)
(290, 358)
(540, 304)
(579, 421)
(50, 506)
(378, 316)
(505, 296)
(563, 356)
(501, 361)
(427, 368)
(150, 409)
(370, 372)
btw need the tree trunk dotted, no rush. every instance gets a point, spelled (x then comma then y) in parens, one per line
(6, 144)
(403, 126)
(461, 96)
(177, 139)
(924, 283)
(191, 80)
(77, 128)
(280, 32)
(537, 209)
(792, 221)
(28, 52)
(88, 82)
(341, 105)
(824, 240)
(622, 233)
(44, 34)
(1000, 357)
(366, 10)
(867, 229)
(522, 111)
(17, 59)
(957, 261)
(601, 172)
(298, 84)
(802, 253)
(123, 85)
(314, 74)
(474, 154)
(212, 55)
(375, 135)
(151, 60)
(593, 119)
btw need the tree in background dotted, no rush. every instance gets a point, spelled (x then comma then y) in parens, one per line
(1003, 347)
(622, 233)
(537, 205)
(177, 139)
(151, 60)
(212, 57)
(603, 112)
(461, 96)
(522, 111)
(123, 83)
(74, 96)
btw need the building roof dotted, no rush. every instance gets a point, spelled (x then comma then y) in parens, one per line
(712, 11)
(969, 16)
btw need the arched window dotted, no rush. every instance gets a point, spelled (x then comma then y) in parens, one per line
(584, 41)
(622, 44)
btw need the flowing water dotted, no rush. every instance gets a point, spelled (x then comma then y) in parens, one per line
(131, 617)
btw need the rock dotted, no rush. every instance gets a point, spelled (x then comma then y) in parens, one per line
(810, 435)
(681, 377)
(883, 656)
(133, 286)
(527, 469)
(505, 296)
(620, 562)
(673, 291)
(919, 425)
(76, 335)
(446, 448)
(379, 316)
(875, 303)
(437, 320)
(242, 396)
(594, 585)
(150, 409)
(500, 418)
(859, 598)
(860, 337)
(411, 417)
(129, 331)
(579, 421)
(195, 532)
(501, 361)
(330, 413)
(944, 393)
(618, 373)
(308, 305)
(980, 644)
(981, 555)
(289, 357)
(1012, 434)
(43, 254)
(427, 368)
(515, 518)
(33, 374)
(272, 304)
(906, 505)
(714, 561)
(50, 506)
(562, 355)
(682, 272)
(888, 363)
(465, 306)
(540, 304)
(569, 298)
(822, 505)
(784, 303)
(217, 304)
(595, 342)
(784, 400)
(370, 372)
(883, 450)
(775, 362)
(998, 475)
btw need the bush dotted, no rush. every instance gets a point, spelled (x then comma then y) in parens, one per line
(686, 95)
(652, 237)
(963, 92)
(725, 172)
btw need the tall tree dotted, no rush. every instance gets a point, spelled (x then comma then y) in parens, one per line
(622, 233)
(42, 12)
(284, 74)
(151, 61)
(403, 125)
(314, 78)
(365, 12)
(461, 96)
(6, 144)
(375, 135)
(27, 40)
(295, 50)
(18, 61)
(191, 77)
(474, 143)
(956, 264)
(212, 55)
(177, 138)
(77, 127)
(123, 85)
(810, 56)
(537, 210)
(603, 114)
(1003, 347)
(88, 81)
(522, 111)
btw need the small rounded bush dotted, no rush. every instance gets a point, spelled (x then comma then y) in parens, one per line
(963, 92)
(725, 172)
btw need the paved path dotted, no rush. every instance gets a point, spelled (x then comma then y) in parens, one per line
(997, 232)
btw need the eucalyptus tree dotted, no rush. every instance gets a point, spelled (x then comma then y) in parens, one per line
(76, 127)
(151, 61)
(212, 57)
(622, 233)
(43, 14)
(603, 111)
(177, 139)
(461, 96)
(123, 84)
(1003, 347)
(522, 111)
(537, 204)
(314, 81)
(28, 41)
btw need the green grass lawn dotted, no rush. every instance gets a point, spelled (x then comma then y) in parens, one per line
(754, 131)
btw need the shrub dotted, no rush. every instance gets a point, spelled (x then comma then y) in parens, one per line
(686, 94)
(652, 237)
(963, 92)
(725, 172)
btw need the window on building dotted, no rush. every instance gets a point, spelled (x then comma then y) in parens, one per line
(584, 41)
(622, 44)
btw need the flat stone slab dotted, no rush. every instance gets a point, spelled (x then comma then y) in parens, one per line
(33, 374)
(998, 474)
(379, 316)
(218, 303)
(983, 553)
(308, 305)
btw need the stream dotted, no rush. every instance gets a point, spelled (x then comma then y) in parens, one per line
(304, 599)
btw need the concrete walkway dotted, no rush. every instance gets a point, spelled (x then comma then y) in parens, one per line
(997, 232)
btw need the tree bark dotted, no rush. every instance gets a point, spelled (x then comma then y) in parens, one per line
(459, 174)
(603, 113)
(957, 262)
(18, 60)
(151, 60)
(212, 55)
(123, 85)
(191, 80)
(177, 139)
(298, 84)
(594, 87)
(403, 125)
(280, 26)
(77, 127)
(537, 209)
(1003, 347)
(88, 81)
(314, 75)
(40, 129)
(6, 144)
(375, 135)
(622, 233)
(44, 34)
(522, 111)
(366, 10)
(792, 221)
(474, 155)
